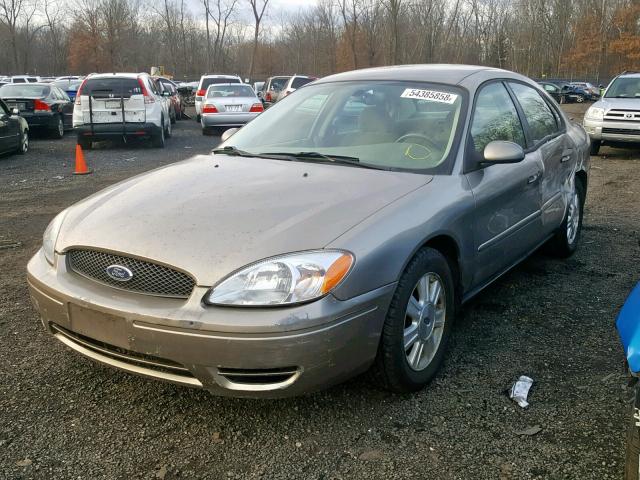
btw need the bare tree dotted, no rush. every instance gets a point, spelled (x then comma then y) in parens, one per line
(258, 8)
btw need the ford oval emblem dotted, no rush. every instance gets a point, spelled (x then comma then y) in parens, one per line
(119, 273)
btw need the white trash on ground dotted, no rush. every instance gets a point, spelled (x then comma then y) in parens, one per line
(520, 391)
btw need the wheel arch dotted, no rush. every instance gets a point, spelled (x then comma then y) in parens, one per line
(450, 249)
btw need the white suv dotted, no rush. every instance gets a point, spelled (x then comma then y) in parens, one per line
(121, 105)
(207, 80)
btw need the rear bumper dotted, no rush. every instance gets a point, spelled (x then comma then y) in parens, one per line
(226, 119)
(292, 350)
(116, 130)
(41, 120)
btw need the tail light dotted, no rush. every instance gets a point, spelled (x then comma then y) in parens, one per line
(147, 98)
(256, 107)
(40, 106)
(79, 92)
(209, 109)
(200, 93)
(267, 97)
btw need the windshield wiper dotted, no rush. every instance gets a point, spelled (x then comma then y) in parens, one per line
(323, 157)
(231, 150)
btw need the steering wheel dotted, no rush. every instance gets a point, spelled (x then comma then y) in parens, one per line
(423, 140)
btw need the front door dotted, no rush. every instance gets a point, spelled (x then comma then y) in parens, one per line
(507, 223)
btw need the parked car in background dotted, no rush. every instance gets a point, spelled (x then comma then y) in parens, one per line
(615, 118)
(591, 90)
(554, 91)
(24, 79)
(229, 105)
(14, 131)
(293, 84)
(628, 325)
(120, 105)
(70, 87)
(42, 105)
(340, 232)
(176, 107)
(68, 77)
(271, 88)
(204, 83)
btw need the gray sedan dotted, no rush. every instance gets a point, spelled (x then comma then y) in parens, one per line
(229, 105)
(344, 240)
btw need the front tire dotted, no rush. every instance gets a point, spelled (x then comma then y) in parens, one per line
(594, 147)
(23, 145)
(418, 324)
(565, 241)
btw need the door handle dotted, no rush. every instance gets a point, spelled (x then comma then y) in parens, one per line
(534, 177)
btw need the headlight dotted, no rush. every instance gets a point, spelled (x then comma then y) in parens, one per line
(595, 113)
(51, 235)
(283, 280)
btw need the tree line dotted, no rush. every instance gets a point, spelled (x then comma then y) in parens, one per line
(583, 39)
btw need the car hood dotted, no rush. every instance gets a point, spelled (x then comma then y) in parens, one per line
(624, 103)
(213, 214)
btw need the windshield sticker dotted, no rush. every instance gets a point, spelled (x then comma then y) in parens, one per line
(430, 95)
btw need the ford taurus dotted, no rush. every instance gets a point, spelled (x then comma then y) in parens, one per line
(292, 258)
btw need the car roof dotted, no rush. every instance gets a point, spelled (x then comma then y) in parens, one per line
(630, 75)
(437, 73)
(215, 75)
(216, 85)
(116, 75)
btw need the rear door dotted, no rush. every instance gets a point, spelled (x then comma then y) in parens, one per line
(113, 100)
(548, 134)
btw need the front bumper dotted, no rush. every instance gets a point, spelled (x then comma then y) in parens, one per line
(110, 130)
(259, 352)
(608, 131)
(227, 119)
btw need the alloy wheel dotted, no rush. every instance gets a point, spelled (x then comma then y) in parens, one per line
(424, 321)
(573, 216)
(24, 142)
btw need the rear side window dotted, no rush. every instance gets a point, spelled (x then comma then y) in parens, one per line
(495, 118)
(216, 81)
(112, 87)
(24, 91)
(19, 80)
(300, 81)
(542, 122)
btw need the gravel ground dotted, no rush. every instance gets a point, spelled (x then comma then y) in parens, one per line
(66, 417)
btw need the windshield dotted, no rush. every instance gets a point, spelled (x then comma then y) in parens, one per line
(300, 81)
(24, 90)
(218, 91)
(397, 125)
(627, 87)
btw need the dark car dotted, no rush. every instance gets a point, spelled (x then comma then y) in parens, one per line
(41, 105)
(176, 109)
(572, 93)
(70, 87)
(14, 131)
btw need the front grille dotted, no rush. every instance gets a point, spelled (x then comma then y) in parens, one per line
(622, 115)
(621, 131)
(134, 358)
(148, 278)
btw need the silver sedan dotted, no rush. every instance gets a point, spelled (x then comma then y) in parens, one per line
(229, 105)
(341, 241)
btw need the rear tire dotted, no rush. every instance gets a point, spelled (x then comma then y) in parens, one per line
(84, 143)
(58, 131)
(421, 313)
(594, 147)
(565, 241)
(632, 453)
(198, 118)
(158, 140)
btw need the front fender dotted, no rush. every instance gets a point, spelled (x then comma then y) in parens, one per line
(628, 325)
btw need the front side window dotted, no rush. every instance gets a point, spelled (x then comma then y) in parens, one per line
(550, 88)
(542, 122)
(495, 118)
(397, 125)
(625, 87)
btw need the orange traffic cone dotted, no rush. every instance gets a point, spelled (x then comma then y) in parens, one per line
(81, 166)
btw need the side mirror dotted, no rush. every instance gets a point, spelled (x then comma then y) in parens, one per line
(226, 135)
(15, 111)
(503, 152)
